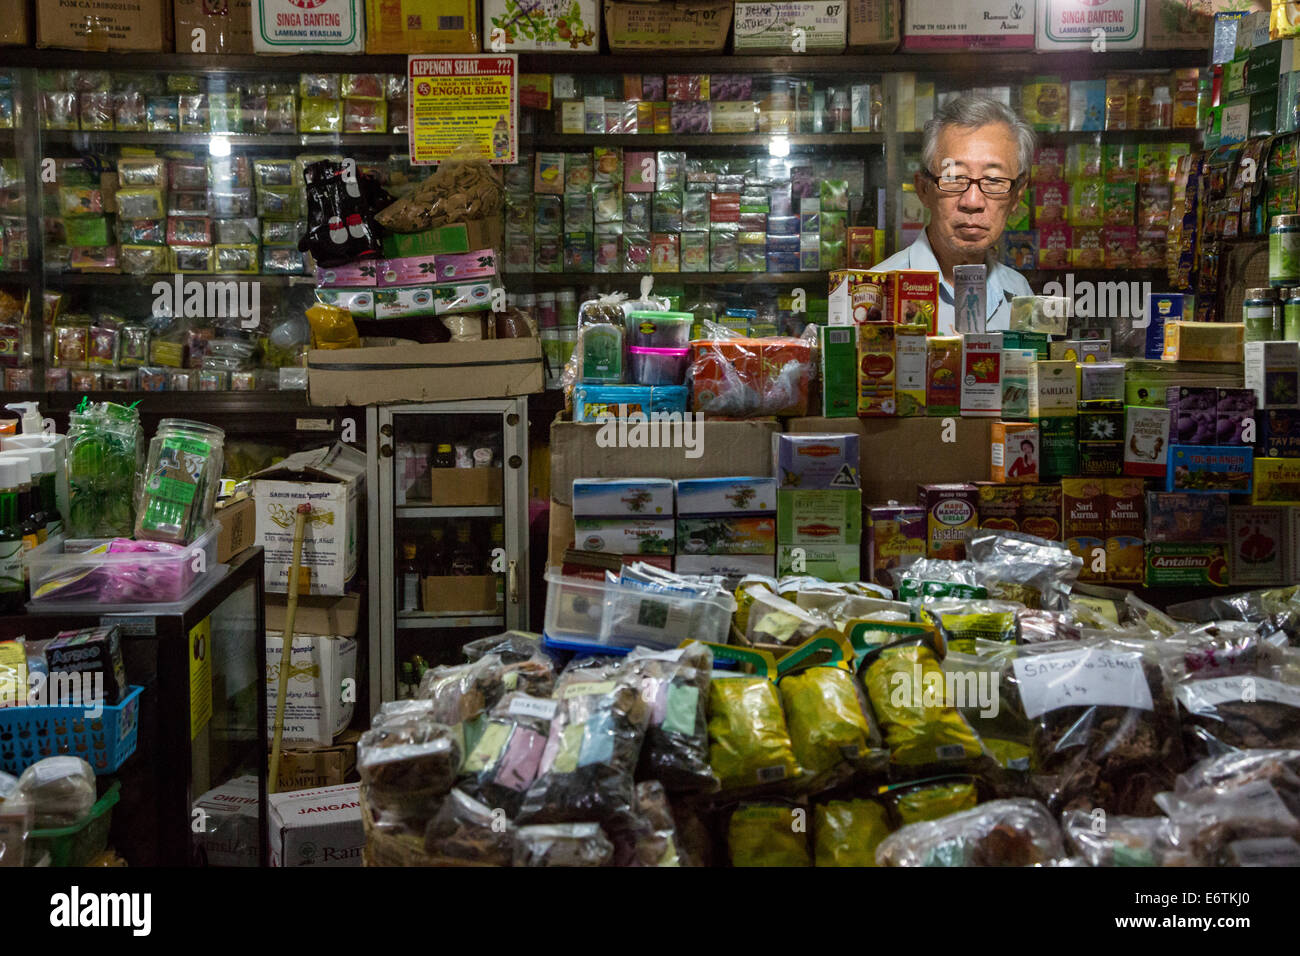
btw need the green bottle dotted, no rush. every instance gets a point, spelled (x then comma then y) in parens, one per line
(11, 541)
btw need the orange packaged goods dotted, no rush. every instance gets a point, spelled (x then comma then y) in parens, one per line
(750, 378)
(1085, 511)
(857, 296)
(877, 373)
(913, 298)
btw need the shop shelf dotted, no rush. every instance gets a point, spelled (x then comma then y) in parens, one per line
(448, 511)
(77, 845)
(548, 280)
(691, 141)
(81, 138)
(29, 734)
(409, 620)
(147, 279)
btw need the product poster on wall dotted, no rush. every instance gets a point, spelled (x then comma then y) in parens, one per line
(464, 107)
(200, 676)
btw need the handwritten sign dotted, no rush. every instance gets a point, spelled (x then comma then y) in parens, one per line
(1082, 678)
(1205, 696)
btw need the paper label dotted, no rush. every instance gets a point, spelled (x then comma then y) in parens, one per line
(488, 747)
(517, 768)
(1081, 679)
(588, 689)
(597, 740)
(679, 715)
(538, 707)
(566, 758)
(1204, 696)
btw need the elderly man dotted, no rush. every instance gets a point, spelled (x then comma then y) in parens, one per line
(975, 159)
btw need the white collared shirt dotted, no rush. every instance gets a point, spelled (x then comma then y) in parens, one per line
(1003, 283)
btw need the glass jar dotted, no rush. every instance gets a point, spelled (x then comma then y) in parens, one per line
(1259, 312)
(1284, 250)
(181, 476)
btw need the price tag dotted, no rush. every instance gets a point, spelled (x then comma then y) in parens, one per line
(1204, 696)
(1082, 679)
(544, 709)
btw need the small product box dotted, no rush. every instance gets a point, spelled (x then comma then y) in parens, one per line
(1016, 363)
(1204, 469)
(456, 267)
(1101, 382)
(943, 375)
(317, 827)
(981, 382)
(1277, 481)
(1273, 372)
(1258, 543)
(1146, 441)
(726, 565)
(951, 514)
(1084, 509)
(1193, 414)
(999, 505)
(1162, 308)
(722, 496)
(1177, 517)
(970, 303)
(1204, 341)
(819, 517)
(877, 370)
(728, 534)
(910, 344)
(839, 371)
(1279, 433)
(1053, 388)
(897, 536)
(1014, 452)
(1082, 351)
(830, 562)
(91, 651)
(1040, 511)
(1186, 565)
(1233, 407)
(405, 303)
(1125, 533)
(1101, 458)
(913, 298)
(615, 497)
(808, 461)
(625, 535)
(1058, 448)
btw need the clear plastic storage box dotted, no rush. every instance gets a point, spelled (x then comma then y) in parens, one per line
(583, 612)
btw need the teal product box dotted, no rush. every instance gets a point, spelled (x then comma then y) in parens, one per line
(720, 496)
(815, 460)
(613, 497)
(594, 402)
(1210, 469)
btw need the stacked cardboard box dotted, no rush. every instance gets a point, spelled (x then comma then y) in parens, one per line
(819, 505)
(726, 526)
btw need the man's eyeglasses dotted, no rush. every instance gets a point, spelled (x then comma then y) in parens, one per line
(989, 185)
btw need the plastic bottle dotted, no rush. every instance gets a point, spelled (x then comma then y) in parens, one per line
(41, 463)
(22, 476)
(34, 436)
(409, 575)
(1162, 109)
(11, 541)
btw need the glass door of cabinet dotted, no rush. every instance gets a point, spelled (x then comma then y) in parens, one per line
(450, 514)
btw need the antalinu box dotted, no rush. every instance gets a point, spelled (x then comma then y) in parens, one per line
(951, 514)
(1186, 565)
(819, 517)
(608, 497)
(1014, 453)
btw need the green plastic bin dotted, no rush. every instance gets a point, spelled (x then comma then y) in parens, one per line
(80, 843)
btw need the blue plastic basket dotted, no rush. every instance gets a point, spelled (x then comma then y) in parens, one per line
(29, 734)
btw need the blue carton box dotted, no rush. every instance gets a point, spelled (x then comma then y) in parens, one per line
(1210, 469)
(592, 402)
(1162, 307)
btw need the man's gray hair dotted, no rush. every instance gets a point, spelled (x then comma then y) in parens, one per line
(972, 112)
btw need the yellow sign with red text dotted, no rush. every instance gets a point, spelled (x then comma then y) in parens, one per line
(463, 107)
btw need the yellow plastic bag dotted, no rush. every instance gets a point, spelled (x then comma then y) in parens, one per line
(332, 327)
(931, 803)
(767, 835)
(829, 728)
(906, 687)
(749, 743)
(848, 832)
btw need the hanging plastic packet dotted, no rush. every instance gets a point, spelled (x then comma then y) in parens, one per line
(847, 832)
(763, 834)
(1020, 567)
(676, 686)
(774, 620)
(1016, 832)
(976, 679)
(341, 208)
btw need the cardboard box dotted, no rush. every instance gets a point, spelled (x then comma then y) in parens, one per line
(943, 375)
(421, 26)
(1273, 372)
(727, 534)
(455, 238)
(1277, 481)
(1188, 24)
(839, 371)
(877, 369)
(1204, 341)
(1207, 469)
(314, 767)
(669, 26)
(1186, 565)
(332, 479)
(238, 528)
(828, 562)
(1258, 545)
(1176, 517)
(783, 27)
(322, 672)
(230, 823)
(317, 827)
(464, 487)
(567, 28)
(295, 26)
(930, 25)
(16, 26)
(819, 517)
(625, 535)
(459, 594)
(1040, 511)
(981, 376)
(716, 496)
(815, 461)
(115, 25)
(911, 345)
(896, 536)
(1073, 24)
(496, 368)
(213, 26)
(1146, 441)
(951, 514)
(1014, 452)
(316, 614)
(728, 565)
(609, 497)
(875, 26)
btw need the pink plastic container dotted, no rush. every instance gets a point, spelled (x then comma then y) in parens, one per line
(659, 366)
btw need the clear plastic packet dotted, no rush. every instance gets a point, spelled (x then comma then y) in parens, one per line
(961, 622)
(937, 577)
(503, 762)
(976, 678)
(391, 711)
(676, 686)
(1250, 817)
(832, 731)
(931, 799)
(463, 691)
(1037, 627)
(847, 832)
(1122, 841)
(920, 727)
(1104, 724)
(749, 741)
(1014, 832)
(763, 834)
(564, 844)
(586, 771)
(141, 171)
(655, 833)
(456, 192)
(774, 620)
(407, 766)
(60, 789)
(1020, 567)
(466, 831)
(744, 595)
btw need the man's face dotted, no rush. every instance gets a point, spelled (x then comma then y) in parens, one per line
(967, 224)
